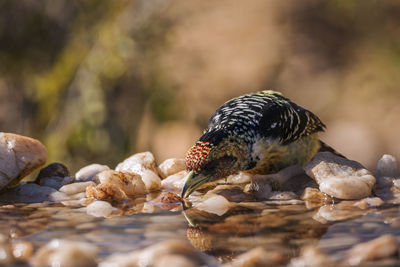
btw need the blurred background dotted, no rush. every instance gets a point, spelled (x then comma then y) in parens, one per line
(98, 80)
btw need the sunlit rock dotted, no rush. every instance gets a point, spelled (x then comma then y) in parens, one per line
(116, 186)
(312, 257)
(99, 208)
(168, 252)
(6, 254)
(369, 202)
(337, 212)
(137, 163)
(239, 178)
(55, 182)
(340, 177)
(88, 173)
(32, 193)
(151, 180)
(233, 193)
(174, 182)
(19, 156)
(257, 257)
(75, 188)
(66, 254)
(22, 250)
(171, 166)
(387, 166)
(381, 247)
(214, 204)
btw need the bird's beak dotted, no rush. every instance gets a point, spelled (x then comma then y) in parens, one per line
(193, 182)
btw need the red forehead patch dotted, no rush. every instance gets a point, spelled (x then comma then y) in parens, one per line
(197, 155)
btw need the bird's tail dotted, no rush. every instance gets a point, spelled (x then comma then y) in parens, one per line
(325, 148)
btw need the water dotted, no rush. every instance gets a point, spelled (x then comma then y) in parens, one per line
(283, 229)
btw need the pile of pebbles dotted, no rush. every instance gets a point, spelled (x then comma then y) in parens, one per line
(339, 188)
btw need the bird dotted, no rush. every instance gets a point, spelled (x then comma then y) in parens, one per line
(258, 133)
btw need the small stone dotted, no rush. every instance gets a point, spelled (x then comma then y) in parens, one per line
(75, 188)
(19, 156)
(258, 257)
(340, 177)
(286, 195)
(88, 173)
(313, 257)
(171, 166)
(32, 193)
(54, 169)
(214, 204)
(239, 178)
(99, 208)
(151, 180)
(338, 212)
(22, 250)
(175, 181)
(116, 186)
(168, 197)
(379, 248)
(314, 195)
(66, 254)
(137, 163)
(6, 255)
(369, 202)
(55, 182)
(387, 166)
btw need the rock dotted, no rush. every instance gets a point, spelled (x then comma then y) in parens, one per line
(259, 187)
(340, 177)
(258, 257)
(99, 208)
(312, 257)
(214, 204)
(166, 252)
(75, 188)
(381, 247)
(32, 193)
(88, 173)
(22, 250)
(171, 166)
(66, 254)
(54, 169)
(277, 195)
(387, 167)
(239, 178)
(137, 163)
(168, 197)
(6, 255)
(151, 180)
(314, 195)
(174, 182)
(369, 202)
(344, 210)
(116, 186)
(55, 182)
(19, 156)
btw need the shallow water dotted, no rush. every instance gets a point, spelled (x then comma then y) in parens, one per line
(277, 228)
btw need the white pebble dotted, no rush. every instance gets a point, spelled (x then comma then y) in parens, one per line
(214, 204)
(239, 178)
(387, 166)
(171, 166)
(99, 208)
(89, 172)
(151, 181)
(175, 181)
(137, 163)
(71, 189)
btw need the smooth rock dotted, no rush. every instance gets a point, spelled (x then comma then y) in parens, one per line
(22, 250)
(369, 202)
(6, 255)
(54, 169)
(75, 188)
(32, 193)
(171, 166)
(88, 173)
(174, 260)
(387, 166)
(214, 204)
(99, 208)
(174, 182)
(55, 182)
(137, 163)
(314, 195)
(338, 212)
(66, 254)
(381, 247)
(312, 257)
(257, 257)
(19, 156)
(286, 195)
(151, 180)
(239, 178)
(117, 186)
(340, 177)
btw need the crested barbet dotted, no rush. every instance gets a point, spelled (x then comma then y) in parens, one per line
(259, 133)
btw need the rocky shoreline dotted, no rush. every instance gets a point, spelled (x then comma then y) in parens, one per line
(335, 189)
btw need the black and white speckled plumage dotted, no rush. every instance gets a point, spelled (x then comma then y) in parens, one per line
(266, 114)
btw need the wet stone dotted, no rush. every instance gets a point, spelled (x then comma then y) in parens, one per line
(75, 188)
(32, 193)
(239, 178)
(88, 173)
(258, 257)
(171, 166)
(151, 180)
(19, 156)
(313, 257)
(387, 167)
(55, 181)
(99, 208)
(174, 182)
(340, 177)
(54, 169)
(369, 202)
(137, 163)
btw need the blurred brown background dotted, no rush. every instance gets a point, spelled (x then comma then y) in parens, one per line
(98, 80)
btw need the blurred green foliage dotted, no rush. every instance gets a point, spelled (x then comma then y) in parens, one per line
(82, 75)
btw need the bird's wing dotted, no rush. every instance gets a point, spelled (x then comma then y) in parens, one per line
(266, 113)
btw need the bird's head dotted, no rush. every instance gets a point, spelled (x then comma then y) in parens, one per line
(210, 160)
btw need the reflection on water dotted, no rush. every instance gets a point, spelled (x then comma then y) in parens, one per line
(283, 229)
